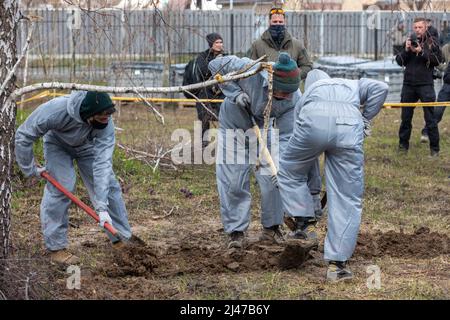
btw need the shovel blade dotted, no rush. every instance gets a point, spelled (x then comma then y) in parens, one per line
(295, 253)
(137, 241)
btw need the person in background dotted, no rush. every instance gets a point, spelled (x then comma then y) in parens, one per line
(197, 71)
(277, 39)
(419, 57)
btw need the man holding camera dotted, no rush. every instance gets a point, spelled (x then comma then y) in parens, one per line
(419, 57)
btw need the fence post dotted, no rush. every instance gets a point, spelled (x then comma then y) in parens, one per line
(322, 21)
(232, 33)
(362, 31)
(305, 30)
(73, 26)
(376, 43)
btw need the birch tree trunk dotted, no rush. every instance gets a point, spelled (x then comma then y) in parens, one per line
(9, 20)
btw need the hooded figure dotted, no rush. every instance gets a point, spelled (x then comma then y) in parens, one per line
(236, 158)
(74, 127)
(329, 121)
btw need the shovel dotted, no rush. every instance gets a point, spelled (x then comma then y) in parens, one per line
(265, 151)
(90, 211)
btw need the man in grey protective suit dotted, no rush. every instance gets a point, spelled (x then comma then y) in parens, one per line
(244, 99)
(75, 127)
(329, 120)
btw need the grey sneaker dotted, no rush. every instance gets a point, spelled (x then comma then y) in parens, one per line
(272, 235)
(337, 271)
(424, 139)
(236, 240)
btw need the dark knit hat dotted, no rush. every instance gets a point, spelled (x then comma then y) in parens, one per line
(213, 37)
(286, 74)
(94, 103)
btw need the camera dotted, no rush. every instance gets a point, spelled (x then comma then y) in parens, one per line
(414, 40)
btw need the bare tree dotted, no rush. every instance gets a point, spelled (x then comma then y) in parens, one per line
(9, 18)
(415, 5)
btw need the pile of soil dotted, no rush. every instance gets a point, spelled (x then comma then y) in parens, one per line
(421, 244)
(256, 257)
(198, 255)
(134, 259)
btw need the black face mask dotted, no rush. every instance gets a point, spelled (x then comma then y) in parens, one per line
(277, 32)
(98, 125)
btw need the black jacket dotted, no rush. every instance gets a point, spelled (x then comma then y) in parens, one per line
(419, 68)
(447, 75)
(203, 59)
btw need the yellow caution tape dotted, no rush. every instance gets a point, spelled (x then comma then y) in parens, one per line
(41, 95)
(388, 105)
(47, 93)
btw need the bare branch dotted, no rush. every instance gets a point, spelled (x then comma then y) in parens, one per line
(150, 106)
(156, 159)
(142, 153)
(201, 103)
(166, 215)
(249, 66)
(74, 86)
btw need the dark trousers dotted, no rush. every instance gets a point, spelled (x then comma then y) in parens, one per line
(205, 116)
(396, 49)
(413, 94)
(444, 95)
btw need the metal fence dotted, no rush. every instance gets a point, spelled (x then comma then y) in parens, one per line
(73, 44)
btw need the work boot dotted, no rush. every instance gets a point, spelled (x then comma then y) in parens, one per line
(337, 271)
(305, 229)
(236, 240)
(63, 257)
(118, 245)
(424, 138)
(272, 235)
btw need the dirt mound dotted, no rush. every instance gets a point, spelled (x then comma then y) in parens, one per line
(200, 255)
(132, 260)
(210, 259)
(421, 244)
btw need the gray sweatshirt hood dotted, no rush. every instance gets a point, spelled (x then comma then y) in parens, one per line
(74, 104)
(314, 76)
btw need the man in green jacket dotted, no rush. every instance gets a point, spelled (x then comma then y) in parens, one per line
(277, 39)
